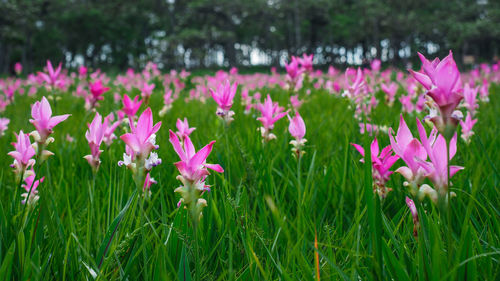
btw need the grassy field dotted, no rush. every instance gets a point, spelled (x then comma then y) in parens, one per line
(265, 211)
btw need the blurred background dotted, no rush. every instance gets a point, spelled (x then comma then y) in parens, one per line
(200, 34)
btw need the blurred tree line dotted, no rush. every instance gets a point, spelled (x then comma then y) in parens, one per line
(211, 33)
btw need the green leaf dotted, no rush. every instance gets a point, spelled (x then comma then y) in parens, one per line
(7, 265)
(184, 273)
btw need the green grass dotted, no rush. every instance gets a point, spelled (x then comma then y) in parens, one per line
(263, 211)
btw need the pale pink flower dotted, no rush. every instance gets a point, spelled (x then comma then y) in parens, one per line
(390, 90)
(467, 126)
(4, 123)
(375, 65)
(297, 129)
(306, 62)
(183, 129)
(147, 90)
(109, 128)
(31, 188)
(22, 154)
(43, 120)
(52, 77)
(148, 182)
(18, 68)
(414, 215)
(470, 98)
(94, 136)
(295, 102)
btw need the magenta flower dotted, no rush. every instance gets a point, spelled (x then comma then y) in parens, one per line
(297, 129)
(94, 136)
(407, 103)
(375, 65)
(130, 107)
(148, 182)
(414, 215)
(31, 188)
(224, 96)
(22, 154)
(356, 86)
(193, 166)
(82, 71)
(52, 77)
(18, 68)
(96, 91)
(293, 69)
(4, 124)
(147, 90)
(43, 120)
(271, 112)
(467, 126)
(167, 101)
(382, 161)
(437, 169)
(183, 129)
(306, 62)
(443, 84)
(295, 102)
(141, 140)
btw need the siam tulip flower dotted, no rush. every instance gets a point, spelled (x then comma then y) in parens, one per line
(94, 136)
(406, 102)
(31, 188)
(142, 137)
(414, 215)
(183, 129)
(18, 68)
(295, 102)
(193, 171)
(381, 163)
(294, 74)
(437, 169)
(484, 91)
(167, 100)
(375, 65)
(356, 86)
(390, 90)
(109, 128)
(306, 62)
(130, 107)
(271, 112)
(96, 92)
(148, 182)
(82, 72)
(52, 77)
(470, 98)
(224, 96)
(69, 138)
(411, 151)
(22, 154)
(467, 126)
(44, 122)
(442, 81)
(4, 123)
(297, 129)
(146, 91)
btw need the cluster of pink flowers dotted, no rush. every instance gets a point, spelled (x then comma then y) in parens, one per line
(271, 112)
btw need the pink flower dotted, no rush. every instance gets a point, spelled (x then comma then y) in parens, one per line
(382, 161)
(183, 129)
(442, 81)
(224, 96)
(406, 102)
(293, 69)
(43, 120)
(23, 153)
(297, 129)
(437, 169)
(130, 107)
(18, 68)
(271, 112)
(296, 103)
(109, 128)
(470, 98)
(94, 136)
(141, 140)
(414, 214)
(390, 91)
(96, 91)
(411, 151)
(52, 78)
(356, 86)
(82, 71)
(4, 123)
(193, 166)
(375, 65)
(31, 188)
(148, 182)
(147, 90)
(306, 62)
(467, 126)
